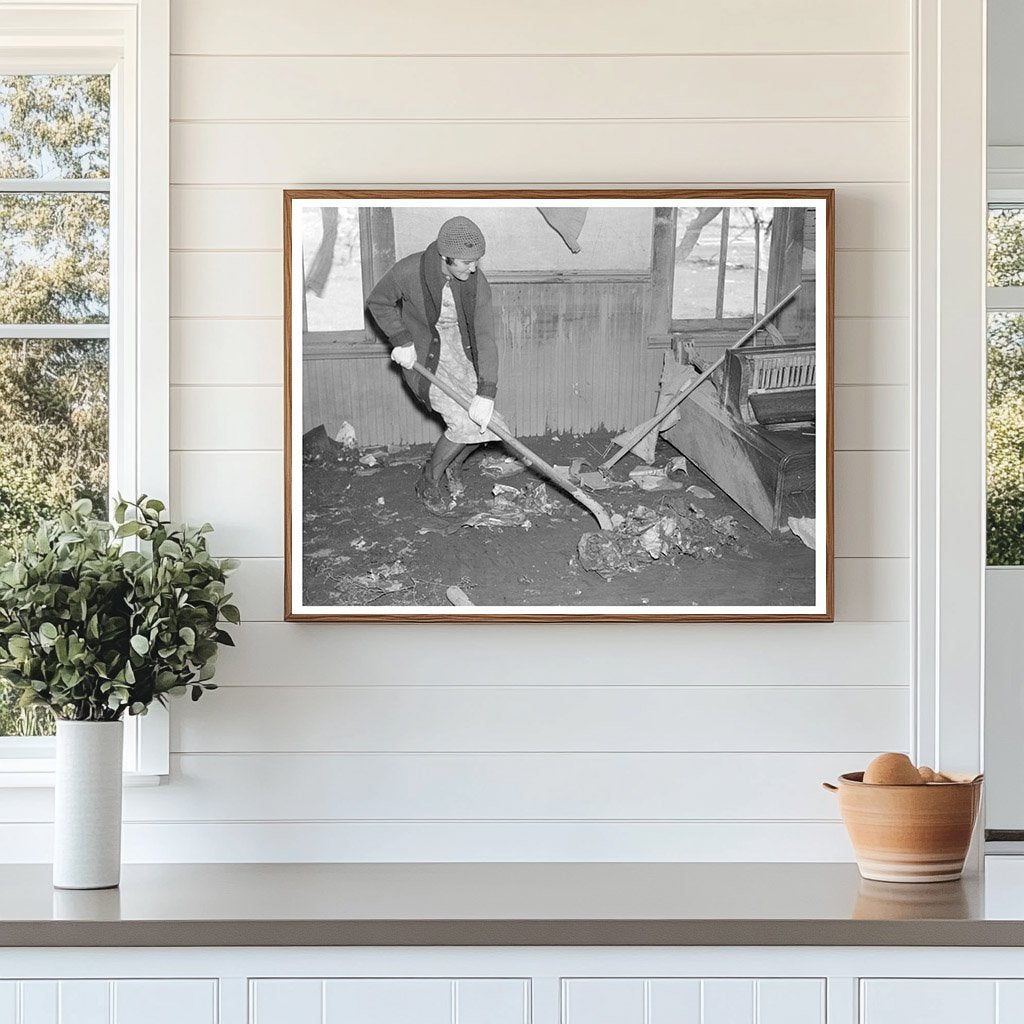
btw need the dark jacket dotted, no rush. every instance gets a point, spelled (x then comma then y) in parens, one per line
(406, 302)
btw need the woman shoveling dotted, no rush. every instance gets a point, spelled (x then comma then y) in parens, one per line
(435, 308)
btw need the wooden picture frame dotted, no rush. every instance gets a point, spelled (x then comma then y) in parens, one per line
(755, 428)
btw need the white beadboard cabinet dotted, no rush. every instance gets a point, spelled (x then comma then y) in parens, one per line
(696, 1000)
(109, 1001)
(389, 1001)
(513, 985)
(942, 1001)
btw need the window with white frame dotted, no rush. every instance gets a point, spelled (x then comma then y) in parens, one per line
(1005, 475)
(83, 264)
(54, 310)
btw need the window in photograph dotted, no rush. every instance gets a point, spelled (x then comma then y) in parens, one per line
(720, 267)
(332, 261)
(54, 309)
(1005, 469)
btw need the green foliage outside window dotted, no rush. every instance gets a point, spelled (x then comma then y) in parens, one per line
(1005, 479)
(54, 269)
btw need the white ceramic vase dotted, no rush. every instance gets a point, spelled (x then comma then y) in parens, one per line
(87, 806)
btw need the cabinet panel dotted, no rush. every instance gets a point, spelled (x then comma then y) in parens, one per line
(674, 1000)
(928, 1001)
(693, 1001)
(388, 1001)
(165, 1002)
(84, 1002)
(38, 1002)
(492, 1001)
(603, 1001)
(8, 1002)
(727, 1001)
(790, 1001)
(286, 1001)
(1009, 1002)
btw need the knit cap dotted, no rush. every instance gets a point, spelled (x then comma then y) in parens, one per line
(461, 239)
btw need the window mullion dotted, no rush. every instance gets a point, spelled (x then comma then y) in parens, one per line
(1005, 299)
(63, 332)
(723, 252)
(54, 185)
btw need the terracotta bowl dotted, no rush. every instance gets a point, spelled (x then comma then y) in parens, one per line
(909, 833)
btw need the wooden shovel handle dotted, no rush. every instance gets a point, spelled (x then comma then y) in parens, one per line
(530, 458)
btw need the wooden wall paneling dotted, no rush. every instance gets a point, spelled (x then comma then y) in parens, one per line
(226, 352)
(725, 152)
(872, 418)
(224, 88)
(800, 654)
(371, 718)
(224, 215)
(319, 26)
(872, 494)
(872, 350)
(236, 146)
(726, 786)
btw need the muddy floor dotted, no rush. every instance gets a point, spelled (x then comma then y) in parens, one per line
(369, 542)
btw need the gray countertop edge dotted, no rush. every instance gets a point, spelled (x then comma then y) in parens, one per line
(52, 934)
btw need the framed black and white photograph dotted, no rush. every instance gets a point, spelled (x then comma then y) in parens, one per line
(558, 405)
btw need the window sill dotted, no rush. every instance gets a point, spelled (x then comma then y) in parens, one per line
(36, 775)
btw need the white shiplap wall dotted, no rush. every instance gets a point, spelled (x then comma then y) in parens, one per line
(680, 741)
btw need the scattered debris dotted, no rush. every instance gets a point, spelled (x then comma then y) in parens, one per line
(513, 507)
(317, 445)
(804, 528)
(346, 435)
(647, 535)
(594, 481)
(380, 501)
(534, 499)
(699, 492)
(361, 544)
(457, 596)
(677, 465)
(653, 478)
(382, 579)
(368, 460)
(499, 467)
(363, 471)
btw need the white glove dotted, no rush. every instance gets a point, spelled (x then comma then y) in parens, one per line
(480, 411)
(404, 355)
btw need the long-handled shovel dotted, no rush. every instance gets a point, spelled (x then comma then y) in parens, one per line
(528, 457)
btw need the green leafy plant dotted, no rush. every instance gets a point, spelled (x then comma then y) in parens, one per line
(92, 630)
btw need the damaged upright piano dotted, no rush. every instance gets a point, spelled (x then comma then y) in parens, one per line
(750, 426)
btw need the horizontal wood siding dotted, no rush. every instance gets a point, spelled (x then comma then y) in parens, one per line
(596, 742)
(573, 358)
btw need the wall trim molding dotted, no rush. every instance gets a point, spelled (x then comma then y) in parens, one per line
(148, 842)
(949, 445)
